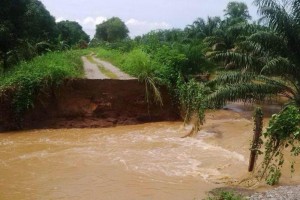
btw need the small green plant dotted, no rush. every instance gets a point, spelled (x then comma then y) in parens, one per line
(225, 195)
(283, 133)
(192, 99)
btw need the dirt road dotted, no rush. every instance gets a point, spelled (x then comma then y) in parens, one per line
(98, 69)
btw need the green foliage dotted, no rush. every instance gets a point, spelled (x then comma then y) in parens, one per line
(27, 79)
(269, 66)
(71, 33)
(191, 96)
(162, 71)
(237, 11)
(21, 23)
(201, 28)
(246, 87)
(172, 58)
(138, 63)
(282, 133)
(225, 195)
(112, 30)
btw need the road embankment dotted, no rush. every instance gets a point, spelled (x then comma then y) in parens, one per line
(83, 103)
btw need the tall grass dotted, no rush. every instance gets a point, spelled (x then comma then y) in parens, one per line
(27, 79)
(136, 62)
(139, 64)
(163, 67)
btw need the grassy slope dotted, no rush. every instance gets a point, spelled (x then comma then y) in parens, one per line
(28, 78)
(51, 67)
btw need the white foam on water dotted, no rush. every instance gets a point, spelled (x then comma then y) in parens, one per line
(171, 156)
(6, 142)
(38, 154)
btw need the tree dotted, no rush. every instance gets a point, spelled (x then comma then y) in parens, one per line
(25, 25)
(71, 33)
(269, 63)
(269, 60)
(237, 11)
(112, 30)
(201, 28)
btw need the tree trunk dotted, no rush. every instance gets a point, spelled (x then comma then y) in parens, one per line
(258, 124)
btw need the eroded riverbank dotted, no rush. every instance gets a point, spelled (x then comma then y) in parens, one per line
(84, 103)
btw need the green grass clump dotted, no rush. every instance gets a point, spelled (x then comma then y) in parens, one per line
(115, 57)
(136, 63)
(226, 195)
(27, 79)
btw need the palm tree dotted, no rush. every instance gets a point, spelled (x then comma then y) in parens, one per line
(268, 64)
(268, 61)
(201, 28)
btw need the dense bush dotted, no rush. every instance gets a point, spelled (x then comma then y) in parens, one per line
(28, 78)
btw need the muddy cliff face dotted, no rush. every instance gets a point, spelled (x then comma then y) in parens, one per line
(91, 103)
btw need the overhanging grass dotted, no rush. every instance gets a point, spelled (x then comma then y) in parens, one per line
(136, 62)
(28, 78)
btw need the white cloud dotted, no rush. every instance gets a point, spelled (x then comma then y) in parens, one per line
(137, 27)
(59, 19)
(89, 24)
(93, 21)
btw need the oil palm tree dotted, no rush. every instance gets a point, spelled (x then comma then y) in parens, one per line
(268, 62)
(201, 28)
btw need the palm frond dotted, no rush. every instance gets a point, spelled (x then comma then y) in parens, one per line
(268, 40)
(296, 10)
(265, 3)
(232, 78)
(247, 92)
(251, 47)
(150, 84)
(212, 40)
(279, 67)
(241, 60)
(288, 87)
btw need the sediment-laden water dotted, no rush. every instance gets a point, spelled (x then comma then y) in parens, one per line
(149, 161)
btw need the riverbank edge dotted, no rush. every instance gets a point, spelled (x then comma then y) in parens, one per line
(283, 192)
(90, 103)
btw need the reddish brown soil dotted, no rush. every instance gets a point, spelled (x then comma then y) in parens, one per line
(91, 103)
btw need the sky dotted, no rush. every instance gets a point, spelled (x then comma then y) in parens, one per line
(140, 16)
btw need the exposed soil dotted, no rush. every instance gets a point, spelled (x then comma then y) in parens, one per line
(85, 103)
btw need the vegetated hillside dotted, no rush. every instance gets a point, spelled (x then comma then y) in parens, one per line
(27, 79)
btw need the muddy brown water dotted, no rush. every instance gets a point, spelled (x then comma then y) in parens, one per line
(148, 161)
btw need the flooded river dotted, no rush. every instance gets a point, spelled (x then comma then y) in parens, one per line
(149, 161)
